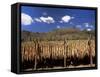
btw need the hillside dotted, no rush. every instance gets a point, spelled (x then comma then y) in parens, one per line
(57, 34)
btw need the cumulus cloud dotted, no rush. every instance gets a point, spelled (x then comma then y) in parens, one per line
(26, 19)
(58, 26)
(47, 19)
(86, 24)
(37, 19)
(88, 29)
(91, 26)
(66, 19)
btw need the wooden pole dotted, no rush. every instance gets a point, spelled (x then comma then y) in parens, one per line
(90, 51)
(64, 53)
(35, 62)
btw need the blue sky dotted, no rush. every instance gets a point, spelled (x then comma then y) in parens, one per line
(42, 19)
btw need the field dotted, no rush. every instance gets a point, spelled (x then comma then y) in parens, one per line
(57, 39)
(37, 55)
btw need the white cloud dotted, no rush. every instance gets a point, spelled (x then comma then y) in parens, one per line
(58, 26)
(26, 19)
(86, 24)
(37, 19)
(79, 27)
(66, 19)
(88, 29)
(47, 19)
(91, 26)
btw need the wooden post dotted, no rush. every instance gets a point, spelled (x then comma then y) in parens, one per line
(90, 51)
(35, 55)
(36, 50)
(64, 53)
(50, 51)
(35, 64)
